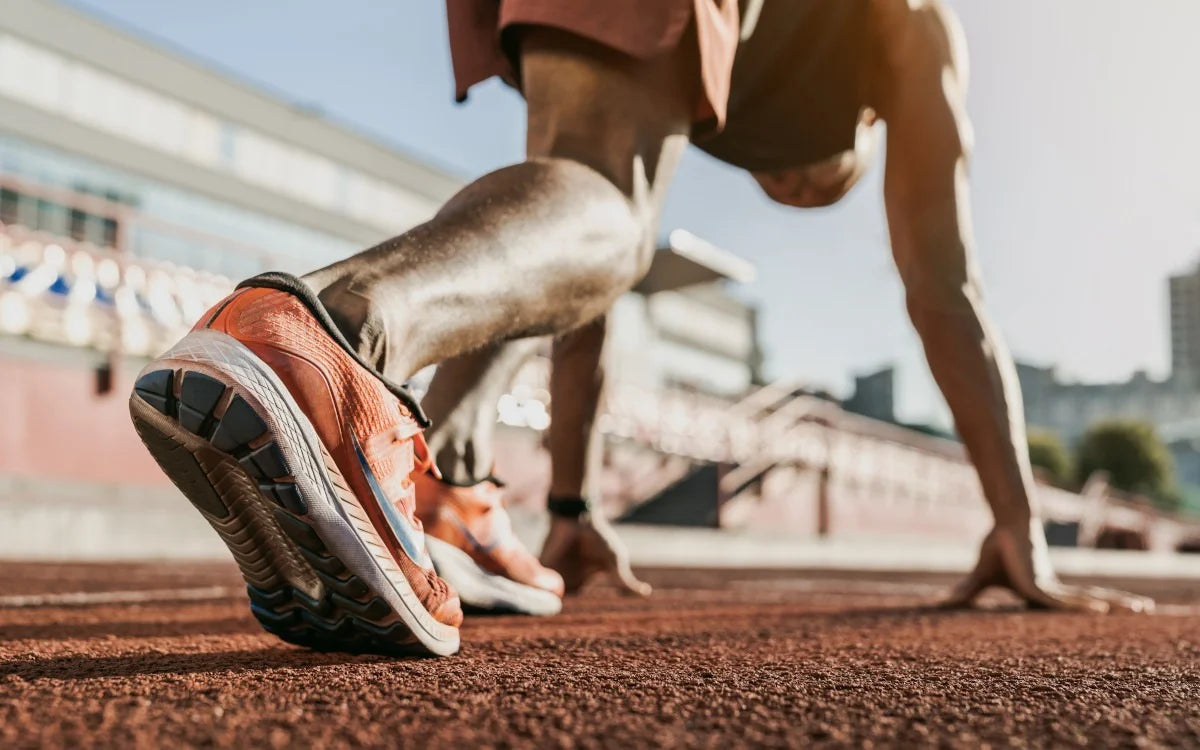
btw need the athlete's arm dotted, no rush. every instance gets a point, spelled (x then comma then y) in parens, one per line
(922, 99)
(579, 544)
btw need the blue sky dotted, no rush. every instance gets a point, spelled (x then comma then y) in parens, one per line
(1084, 176)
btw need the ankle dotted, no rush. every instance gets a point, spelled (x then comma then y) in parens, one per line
(359, 320)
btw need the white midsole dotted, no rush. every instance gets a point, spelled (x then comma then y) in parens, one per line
(358, 548)
(477, 587)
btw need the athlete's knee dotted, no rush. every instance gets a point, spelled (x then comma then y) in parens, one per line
(613, 230)
(630, 224)
(618, 153)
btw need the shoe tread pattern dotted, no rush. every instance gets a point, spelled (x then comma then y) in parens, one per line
(229, 466)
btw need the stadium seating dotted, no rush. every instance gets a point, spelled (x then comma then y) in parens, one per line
(60, 291)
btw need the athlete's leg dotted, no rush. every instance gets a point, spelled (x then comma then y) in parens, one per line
(540, 247)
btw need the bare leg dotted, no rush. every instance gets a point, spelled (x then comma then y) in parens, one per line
(540, 247)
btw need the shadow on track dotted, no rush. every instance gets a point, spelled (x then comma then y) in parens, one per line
(73, 667)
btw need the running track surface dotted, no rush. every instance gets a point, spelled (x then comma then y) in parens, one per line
(167, 655)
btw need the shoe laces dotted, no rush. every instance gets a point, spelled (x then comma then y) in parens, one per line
(422, 458)
(402, 446)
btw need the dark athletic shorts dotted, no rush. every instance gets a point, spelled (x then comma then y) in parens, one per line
(787, 95)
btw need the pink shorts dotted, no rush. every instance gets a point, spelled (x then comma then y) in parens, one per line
(642, 29)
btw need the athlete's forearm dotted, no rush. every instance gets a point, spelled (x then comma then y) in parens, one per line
(576, 387)
(972, 367)
(928, 207)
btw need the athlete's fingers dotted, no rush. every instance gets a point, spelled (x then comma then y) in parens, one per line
(965, 591)
(613, 558)
(628, 582)
(1048, 594)
(1119, 600)
(985, 573)
(1062, 598)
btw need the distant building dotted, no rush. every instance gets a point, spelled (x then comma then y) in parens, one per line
(1172, 405)
(1184, 290)
(874, 395)
(1068, 409)
(137, 185)
(179, 161)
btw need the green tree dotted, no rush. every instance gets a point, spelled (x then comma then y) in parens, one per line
(1133, 455)
(1048, 453)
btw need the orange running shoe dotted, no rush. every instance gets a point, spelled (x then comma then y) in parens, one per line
(302, 458)
(473, 547)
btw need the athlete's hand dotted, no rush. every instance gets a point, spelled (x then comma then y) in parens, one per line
(583, 548)
(1017, 559)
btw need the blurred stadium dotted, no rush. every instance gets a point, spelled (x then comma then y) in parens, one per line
(799, 542)
(137, 186)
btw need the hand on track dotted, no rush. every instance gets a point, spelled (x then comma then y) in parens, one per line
(1017, 559)
(581, 549)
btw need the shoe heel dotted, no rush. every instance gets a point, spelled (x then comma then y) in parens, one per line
(221, 454)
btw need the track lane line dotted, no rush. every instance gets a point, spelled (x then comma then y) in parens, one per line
(850, 587)
(86, 598)
(211, 593)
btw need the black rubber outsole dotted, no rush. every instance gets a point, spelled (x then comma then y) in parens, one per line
(219, 452)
